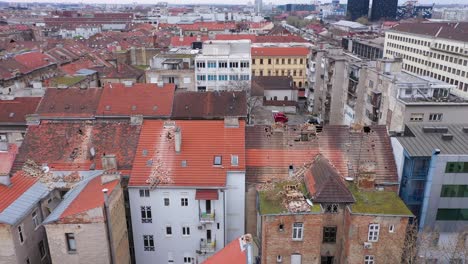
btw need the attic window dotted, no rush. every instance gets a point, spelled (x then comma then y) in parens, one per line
(12, 114)
(331, 208)
(217, 160)
(155, 108)
(133, 107)
(67, 106)
(149, 162)
(108, 107)
(144, 152)
(184, 163)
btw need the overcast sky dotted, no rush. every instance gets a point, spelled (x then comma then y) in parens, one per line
(225, 1)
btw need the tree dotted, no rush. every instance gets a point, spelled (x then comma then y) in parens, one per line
(253, 102)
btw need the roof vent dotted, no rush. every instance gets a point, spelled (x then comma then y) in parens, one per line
(431, 129)
(447, 136)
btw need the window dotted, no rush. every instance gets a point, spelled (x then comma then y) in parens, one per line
(166, 201)
(373, 235)
(201, 77)
(244, 64)
(28, 261)
(269, 61)
(369, 259)
(233, 77)
(148, 242)
(329, 234)
(71, 243)
(298, 231)
(184, 201)
(187, 260)
(168, 231)
(279, 259)
(234, 160)
(408, 91)
(35, 219)
(185, 231)
(42, 250)
(327, 260)
(261, 61)
(222, 64)
(144, 193)
(211, 77)
(217, 161)
(391, 229)
(223, 77)
(417, 117)
(20, 234)
(456, 167)
(201, 64)
(331, 208)
(212, 64)
(435, 117)
(234, 64)
(454, 191)
(146, 214)
(445, 214)
(244, 77)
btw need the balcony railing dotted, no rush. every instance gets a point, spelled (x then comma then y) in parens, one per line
(207, 246)
(207, 217)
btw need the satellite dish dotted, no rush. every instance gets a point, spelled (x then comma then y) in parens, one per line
(309, 202)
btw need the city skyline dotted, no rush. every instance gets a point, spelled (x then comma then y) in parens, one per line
(233, 2)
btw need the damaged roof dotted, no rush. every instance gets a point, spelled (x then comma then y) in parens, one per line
(71, 102)
(145, 99)
(69, 145)
(270, 152)
(209, 105)
(202, 140)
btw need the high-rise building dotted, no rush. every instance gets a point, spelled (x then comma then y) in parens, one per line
(357, 9)
(383, 9)
(258, 6)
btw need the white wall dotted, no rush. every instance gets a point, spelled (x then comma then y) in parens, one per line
(235, 205)
(176, 216)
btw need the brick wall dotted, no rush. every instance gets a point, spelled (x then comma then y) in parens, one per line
(119, 226)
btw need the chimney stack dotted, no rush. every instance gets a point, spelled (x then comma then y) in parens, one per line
(178, 139)
(5, 179)
(109, 162)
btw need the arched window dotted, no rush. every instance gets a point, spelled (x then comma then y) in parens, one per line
(300, 84)
(275, 98)
(285, 98)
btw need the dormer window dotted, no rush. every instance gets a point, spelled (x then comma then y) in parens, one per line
(217, 161)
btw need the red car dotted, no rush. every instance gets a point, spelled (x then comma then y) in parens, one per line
(280, 117)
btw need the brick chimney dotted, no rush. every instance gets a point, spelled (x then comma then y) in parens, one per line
(178, 139)
(109, 162)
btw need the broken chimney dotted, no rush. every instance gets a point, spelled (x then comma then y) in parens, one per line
(109, 162)
(178, 139)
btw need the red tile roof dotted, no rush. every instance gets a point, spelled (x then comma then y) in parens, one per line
(186, 41)
(68, 144)
(232, 253)
(201, 142)
(280, 51)
(89, 198)
(34, 60)
(139, 99)
(20, 182)
(7, 158)
(71, 102)
(14, 111)
(252, 38)
(206, 194)
(280, 39)
(210, 26)
(73, 67)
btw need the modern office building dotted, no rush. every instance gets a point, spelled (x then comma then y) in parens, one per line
(383, 9)
(438, 50)
(357, 9)
(223, 65)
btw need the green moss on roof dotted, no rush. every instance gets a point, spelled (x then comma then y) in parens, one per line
(378, 202)
(270, 202)
(67, 80)
(141, 67)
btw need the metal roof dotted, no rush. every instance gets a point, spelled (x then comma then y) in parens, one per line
(24, 204)
(421, 144)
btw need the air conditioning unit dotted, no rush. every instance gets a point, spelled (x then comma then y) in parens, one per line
(200, 227)
(367, 245)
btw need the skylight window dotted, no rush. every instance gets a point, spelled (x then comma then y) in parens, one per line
(217, 160)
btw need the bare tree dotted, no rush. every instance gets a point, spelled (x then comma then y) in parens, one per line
(253, 102)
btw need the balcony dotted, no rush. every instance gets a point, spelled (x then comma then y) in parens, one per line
(207, 246)
(207, 217)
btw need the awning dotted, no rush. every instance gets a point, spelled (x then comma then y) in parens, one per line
(205, 194)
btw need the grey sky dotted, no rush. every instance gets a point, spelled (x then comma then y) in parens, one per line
(224, 1)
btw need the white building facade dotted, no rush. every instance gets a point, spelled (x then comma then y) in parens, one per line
(223, 65)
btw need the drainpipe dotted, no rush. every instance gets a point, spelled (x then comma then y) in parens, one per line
(427, 188)
(108, 226)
